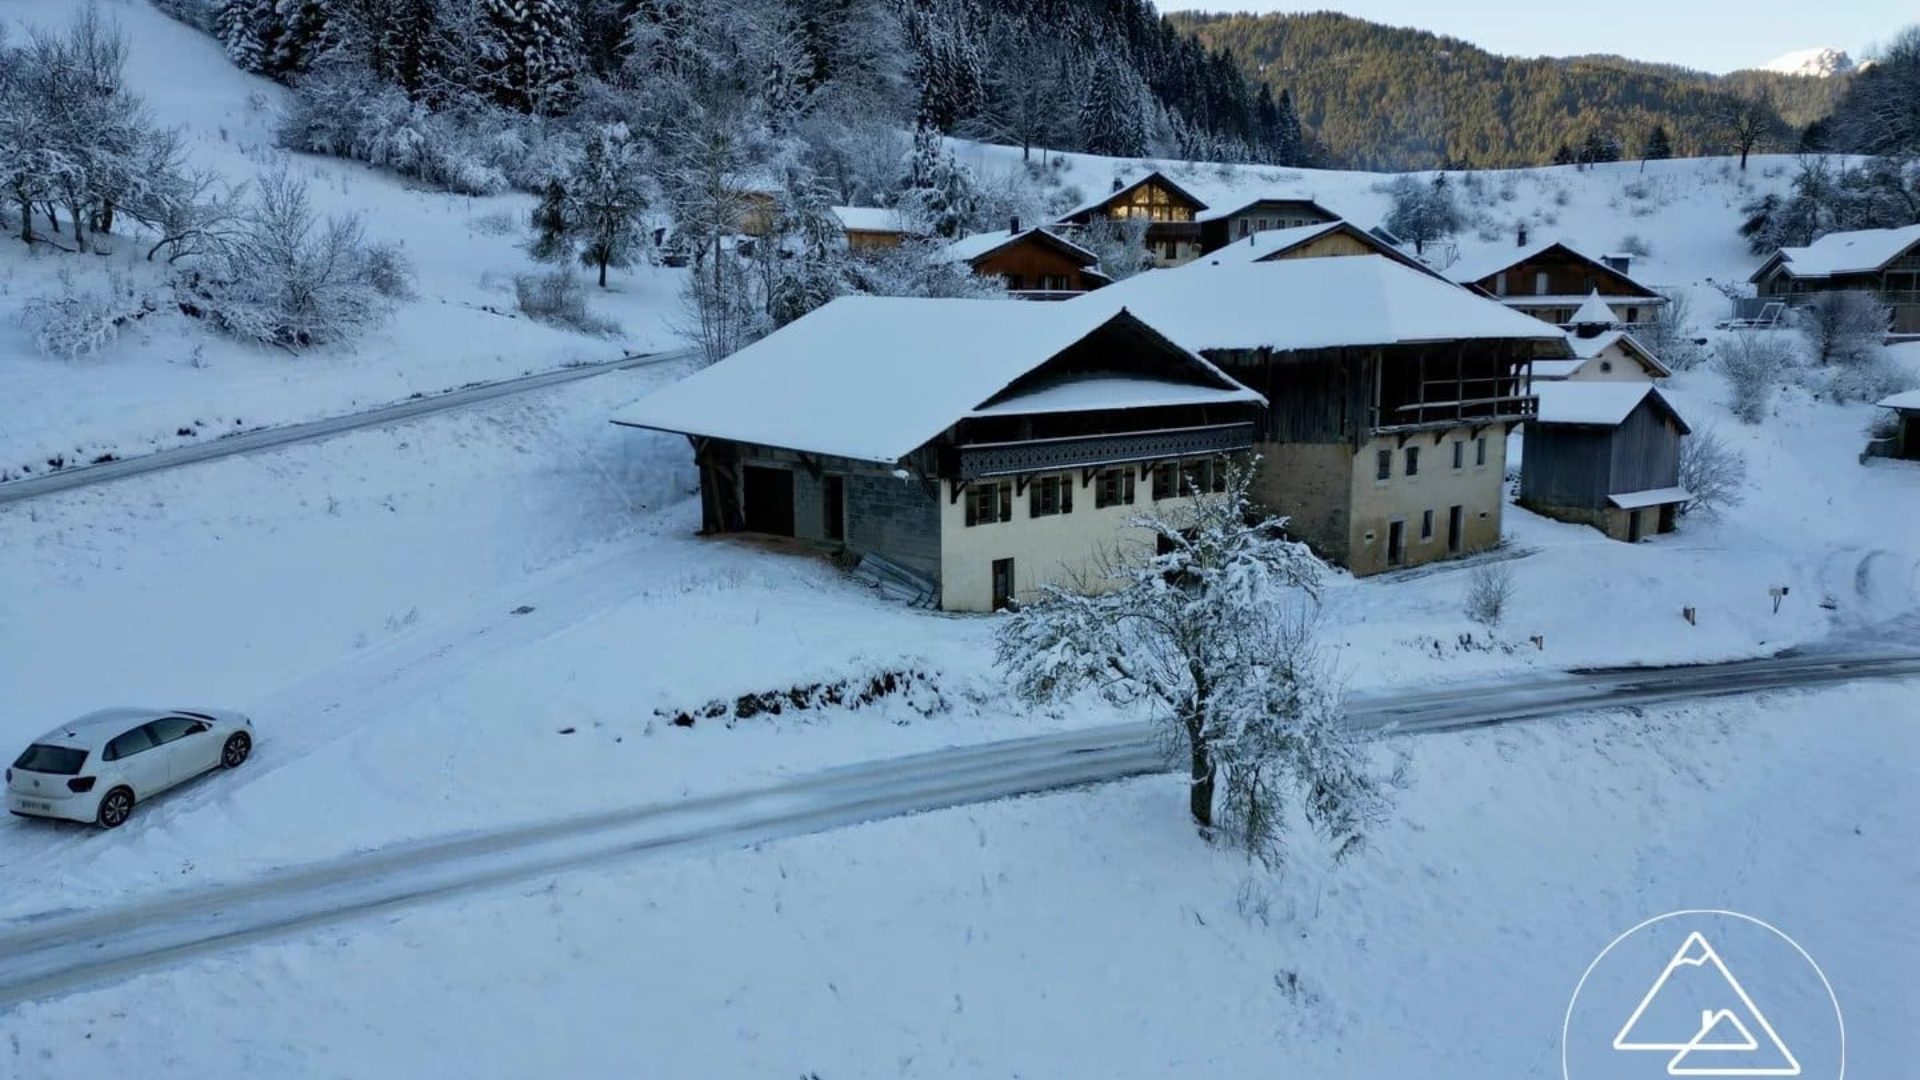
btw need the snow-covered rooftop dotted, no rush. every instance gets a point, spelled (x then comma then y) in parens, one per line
(1312, 304)
(1907, 400)
(1257, 246)
(1221, 194)
(1600, 403)
(1861, 251)
(1593, 311)
(975, 245)
(872, 378)
(869, 219)
(1091, 393)
(1486, 262)
(1587, 348)
(1636, 500)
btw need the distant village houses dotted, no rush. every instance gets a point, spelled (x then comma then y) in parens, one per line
(1033, 263)
(871, 228)
(1180, 226)
(1551, 281)
(1885, 262)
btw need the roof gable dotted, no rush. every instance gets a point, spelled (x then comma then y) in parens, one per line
(977, 246)
(1269, 199)
(1154, 177)
(1600, 404)
(1481, 268)
(1589, 348)
(1272, 244)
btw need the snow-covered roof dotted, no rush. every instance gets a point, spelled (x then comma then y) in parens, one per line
(1593, 312)
(1638, 500)
(1093, 393)
(870, 219)
(1219, 195)
(1312, 304)
(1587, 348)
(1604, 404)
(1862, 251)
(1234, 205)
(1485, 263)
(1264, 244)
(1903, 401)
(979, 245)
(872, 378)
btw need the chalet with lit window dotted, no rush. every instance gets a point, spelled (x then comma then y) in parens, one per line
(871, 228)
(970, 450)
(1329, 239)
(1390, 394)
(1605, 454)
(1551, 281)
(1033, 263)
(1169, 211)
(1885, 262)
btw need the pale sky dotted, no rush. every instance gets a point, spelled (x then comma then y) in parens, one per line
(1713, 35)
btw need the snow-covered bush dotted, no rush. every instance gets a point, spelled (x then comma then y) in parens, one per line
(80, 322)
(1714, 474)
(559, 298)
(1489, 589)
(1754, 363)
(1843, 326)
(343, 110)
(1669, 332)
(1423, 211)
(1120, 245)
(1869, 376)
(914, 268)
(287, 278)
(1213, 634)
(1633, 244)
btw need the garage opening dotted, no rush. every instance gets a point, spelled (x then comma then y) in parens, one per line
(767, 500)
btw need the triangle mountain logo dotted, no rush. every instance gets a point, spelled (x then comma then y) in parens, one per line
(1698, 1012)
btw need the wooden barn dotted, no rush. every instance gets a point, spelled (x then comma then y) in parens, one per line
(1391, 393)
(1905, 442)
(1605, 454)
(975, 447)
(1550, 281)
(1035, 264)
(870, 228)
(1885, 262)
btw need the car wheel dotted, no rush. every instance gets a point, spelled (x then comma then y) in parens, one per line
(114, 808)
(236, 751)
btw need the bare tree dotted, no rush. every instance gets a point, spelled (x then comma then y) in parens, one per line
(1843, 325)
(1489, 588)
(1714, 474)
(1214, 635)
(1754, 363)
(1748, 120)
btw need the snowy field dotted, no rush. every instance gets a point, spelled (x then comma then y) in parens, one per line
(1089, 934)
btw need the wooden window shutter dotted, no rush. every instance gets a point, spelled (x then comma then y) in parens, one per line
(1066, 494)
(973, 508)
(1006, 502)
(1129, 476)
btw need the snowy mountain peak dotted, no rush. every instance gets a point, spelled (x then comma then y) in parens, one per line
(1820, 61)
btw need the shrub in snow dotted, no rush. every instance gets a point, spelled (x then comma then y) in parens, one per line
(913, 268)
(1713, 472)
(1632, 244)
(1489, 588)
(1669, 332)
(343, 110)
(78, 322)
(559, 298)
(1120, 245)
(1214, 636)
(1843, 326)
(1867, 377)
(1754, 363)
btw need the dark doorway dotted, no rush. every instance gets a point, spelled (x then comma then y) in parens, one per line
(1396, 543)
(768, 497)
(1456, 528)
(1002, 583)
(1667, 515)
(833, 492)
(1633, 527)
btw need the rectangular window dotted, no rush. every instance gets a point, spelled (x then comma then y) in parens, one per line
(1244, 223)
(1383, 465)
(1050, 495)
(989, 503)
(1426, 525)
(1166, 481)
(1113, 487)
(1540, 283)
(1500, 284)
(1633, 314)
(1480, 450)
(1459, 454)
(1413, 461)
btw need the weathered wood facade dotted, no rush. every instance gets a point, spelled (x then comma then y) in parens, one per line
(1896, 280)
(1551, 281)
(1036, 265)
(1622, 478)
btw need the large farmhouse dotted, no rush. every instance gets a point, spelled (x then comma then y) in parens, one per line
(1550, 281)
(986, 447)
(1885, 262)
(1606, 454)
(1181, 226)
(1390, 394)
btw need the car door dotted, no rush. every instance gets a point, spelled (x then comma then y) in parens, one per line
(135, 756)
(187, 746)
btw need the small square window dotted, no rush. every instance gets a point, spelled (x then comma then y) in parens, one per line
(1166, 481)
(1383, 465)
(989, 503)
(1413, 461)
(1114, 487)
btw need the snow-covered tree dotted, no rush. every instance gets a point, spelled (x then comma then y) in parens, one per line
(529, 51)
(1659, 145)
(1713, 473)
(1110, 113)
(940, 194)
(1423, 212)
(915, 268)
(607, 198)
(1754, 363)
(1208, 625)
(1843, 325)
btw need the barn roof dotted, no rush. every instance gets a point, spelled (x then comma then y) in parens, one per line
(1598, 404)
(1909, 400)
(875, 378)
(1481, 265)
(976, 246)
(1272, 243)
(1292, 304)
(870, 219)
(1589, 347)
(1860, 251)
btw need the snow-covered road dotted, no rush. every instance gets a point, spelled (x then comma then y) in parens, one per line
(48, 954)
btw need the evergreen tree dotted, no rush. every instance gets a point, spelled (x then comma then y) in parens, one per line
(1564, 155)
(607, 200)
(529, 50)
(1110, 121)
(245, 29)
(552, 234)
(1289, 139)
(1659, 144)
(940, 192)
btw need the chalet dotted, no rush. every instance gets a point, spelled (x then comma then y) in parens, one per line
(1882, 261)
(1604, 454)
(1390, 394)
(982, 447)
(1550, 281)
(1220, 226)
(1326, 239)
(1601, 352)
(1034, 263)
(1905, 442)
(871, 228)
(1169, 210)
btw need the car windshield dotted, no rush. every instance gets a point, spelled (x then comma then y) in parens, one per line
(59, 760)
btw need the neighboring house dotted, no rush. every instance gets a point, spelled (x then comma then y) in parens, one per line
(1604, 454)
(1324, 240)
(1390, 394)
(1034, 263)
(987, 447)
(1550, 281)
(871, 228)
(1882, 261)
(1600, 352)
(1220, 226)
(1905, 442)
(1169, 211)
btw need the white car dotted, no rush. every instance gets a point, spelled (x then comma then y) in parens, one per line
(96, 768)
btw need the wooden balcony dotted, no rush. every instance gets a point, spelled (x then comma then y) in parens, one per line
(983, 460)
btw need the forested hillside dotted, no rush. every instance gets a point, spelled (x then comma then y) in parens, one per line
(1391, 98)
